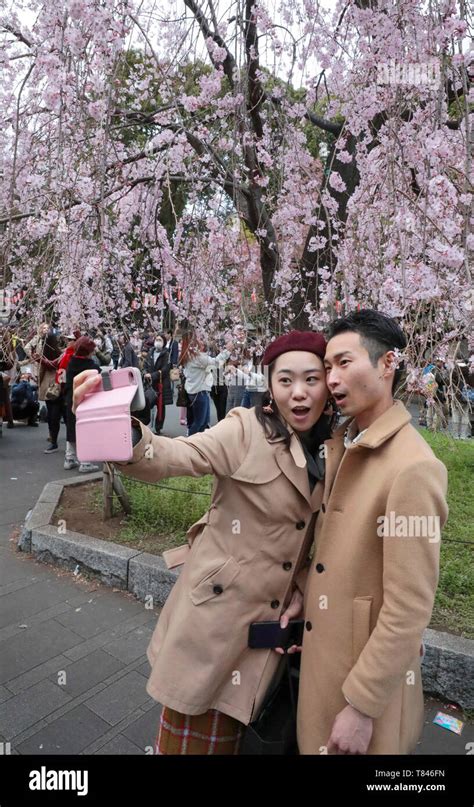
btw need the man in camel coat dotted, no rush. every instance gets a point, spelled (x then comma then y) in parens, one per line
(370, 588)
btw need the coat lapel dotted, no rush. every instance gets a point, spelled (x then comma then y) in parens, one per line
(382, 429)
(290, 463)
(334, 453)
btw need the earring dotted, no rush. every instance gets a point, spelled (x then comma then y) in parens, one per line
(328, 409)
(268, 409)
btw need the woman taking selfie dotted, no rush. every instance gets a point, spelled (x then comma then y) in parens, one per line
(246, 559)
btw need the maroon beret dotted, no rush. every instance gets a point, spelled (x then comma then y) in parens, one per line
(84, 346)
(310, 341)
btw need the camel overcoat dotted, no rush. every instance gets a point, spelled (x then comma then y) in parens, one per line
(243, 559)
(369, 596)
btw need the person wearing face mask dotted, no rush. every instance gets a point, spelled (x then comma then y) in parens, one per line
(157, 372)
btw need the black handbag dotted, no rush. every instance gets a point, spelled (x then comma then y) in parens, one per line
(150, 397)
(183, 398)
(274, 730)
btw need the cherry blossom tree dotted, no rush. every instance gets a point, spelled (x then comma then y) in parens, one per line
(287, 162)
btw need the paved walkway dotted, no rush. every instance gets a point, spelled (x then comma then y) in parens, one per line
(73, 667)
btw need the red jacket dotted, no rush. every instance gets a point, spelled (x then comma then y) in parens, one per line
(64, 360)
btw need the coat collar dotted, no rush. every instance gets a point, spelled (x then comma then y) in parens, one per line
(293, 464)
(376, 434)
(381, 429)
(296, 449)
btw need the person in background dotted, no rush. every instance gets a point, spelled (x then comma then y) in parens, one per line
(35, 346)
(256, 383)
(461, 401)
(2, 404)
(84, 350)
(46, 351)
(18, 345)
(219, 387)
(108, 344)
(235, 388)
(172, 347)
(8, 367)
(24, 398)
(129, 351)
(43, 349)
(198, 371)
(115, 349)
(101, 356)
(240, 355)
(148, 341)
(57, 406)
(143, 348)
(182, 409)
(157, 371)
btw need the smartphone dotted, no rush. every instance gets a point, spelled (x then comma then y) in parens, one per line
(271, 634)
(103, 426)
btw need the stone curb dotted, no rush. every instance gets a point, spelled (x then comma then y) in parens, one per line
(448, 663)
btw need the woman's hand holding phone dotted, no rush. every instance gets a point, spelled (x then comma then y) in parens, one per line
(294, 611)
(83, 383)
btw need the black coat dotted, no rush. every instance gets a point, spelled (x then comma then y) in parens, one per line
(76, 366)
(173, 349)
(161, 365)
(129, 358)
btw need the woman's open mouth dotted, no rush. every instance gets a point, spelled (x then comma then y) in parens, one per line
(300, 412)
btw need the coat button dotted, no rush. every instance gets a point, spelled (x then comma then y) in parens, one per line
(300, 525)
(319, 567)
(287, 565)
(275, 603)
(323, 507)
(309, 626)
(218, 589)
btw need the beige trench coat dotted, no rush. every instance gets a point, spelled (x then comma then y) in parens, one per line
(245, 557)
(368, 598)
(45, 376)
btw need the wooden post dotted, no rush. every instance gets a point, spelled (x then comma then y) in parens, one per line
(121, 492)
(107, 488)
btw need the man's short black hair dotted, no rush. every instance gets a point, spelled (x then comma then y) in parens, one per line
(378, 334)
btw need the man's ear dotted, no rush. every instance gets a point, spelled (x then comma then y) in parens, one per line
(389, 363)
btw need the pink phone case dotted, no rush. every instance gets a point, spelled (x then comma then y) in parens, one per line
(103, 427)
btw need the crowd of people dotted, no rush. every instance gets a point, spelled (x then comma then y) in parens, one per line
(37, 376)
(178, 368)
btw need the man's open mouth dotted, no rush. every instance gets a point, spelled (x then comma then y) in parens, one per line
(339, 397)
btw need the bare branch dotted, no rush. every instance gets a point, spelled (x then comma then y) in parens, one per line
(229, 62)
(17, 34)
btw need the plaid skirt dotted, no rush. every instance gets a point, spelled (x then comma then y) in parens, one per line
(210, 733)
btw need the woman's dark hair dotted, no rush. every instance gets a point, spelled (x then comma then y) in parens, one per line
(378, 334)
(273, 425)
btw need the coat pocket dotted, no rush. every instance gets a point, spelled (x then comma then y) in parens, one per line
(361, 608)
(216, 582)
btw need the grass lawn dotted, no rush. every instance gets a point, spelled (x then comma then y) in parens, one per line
(454, 604)
(162, 512)
(160, 518)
